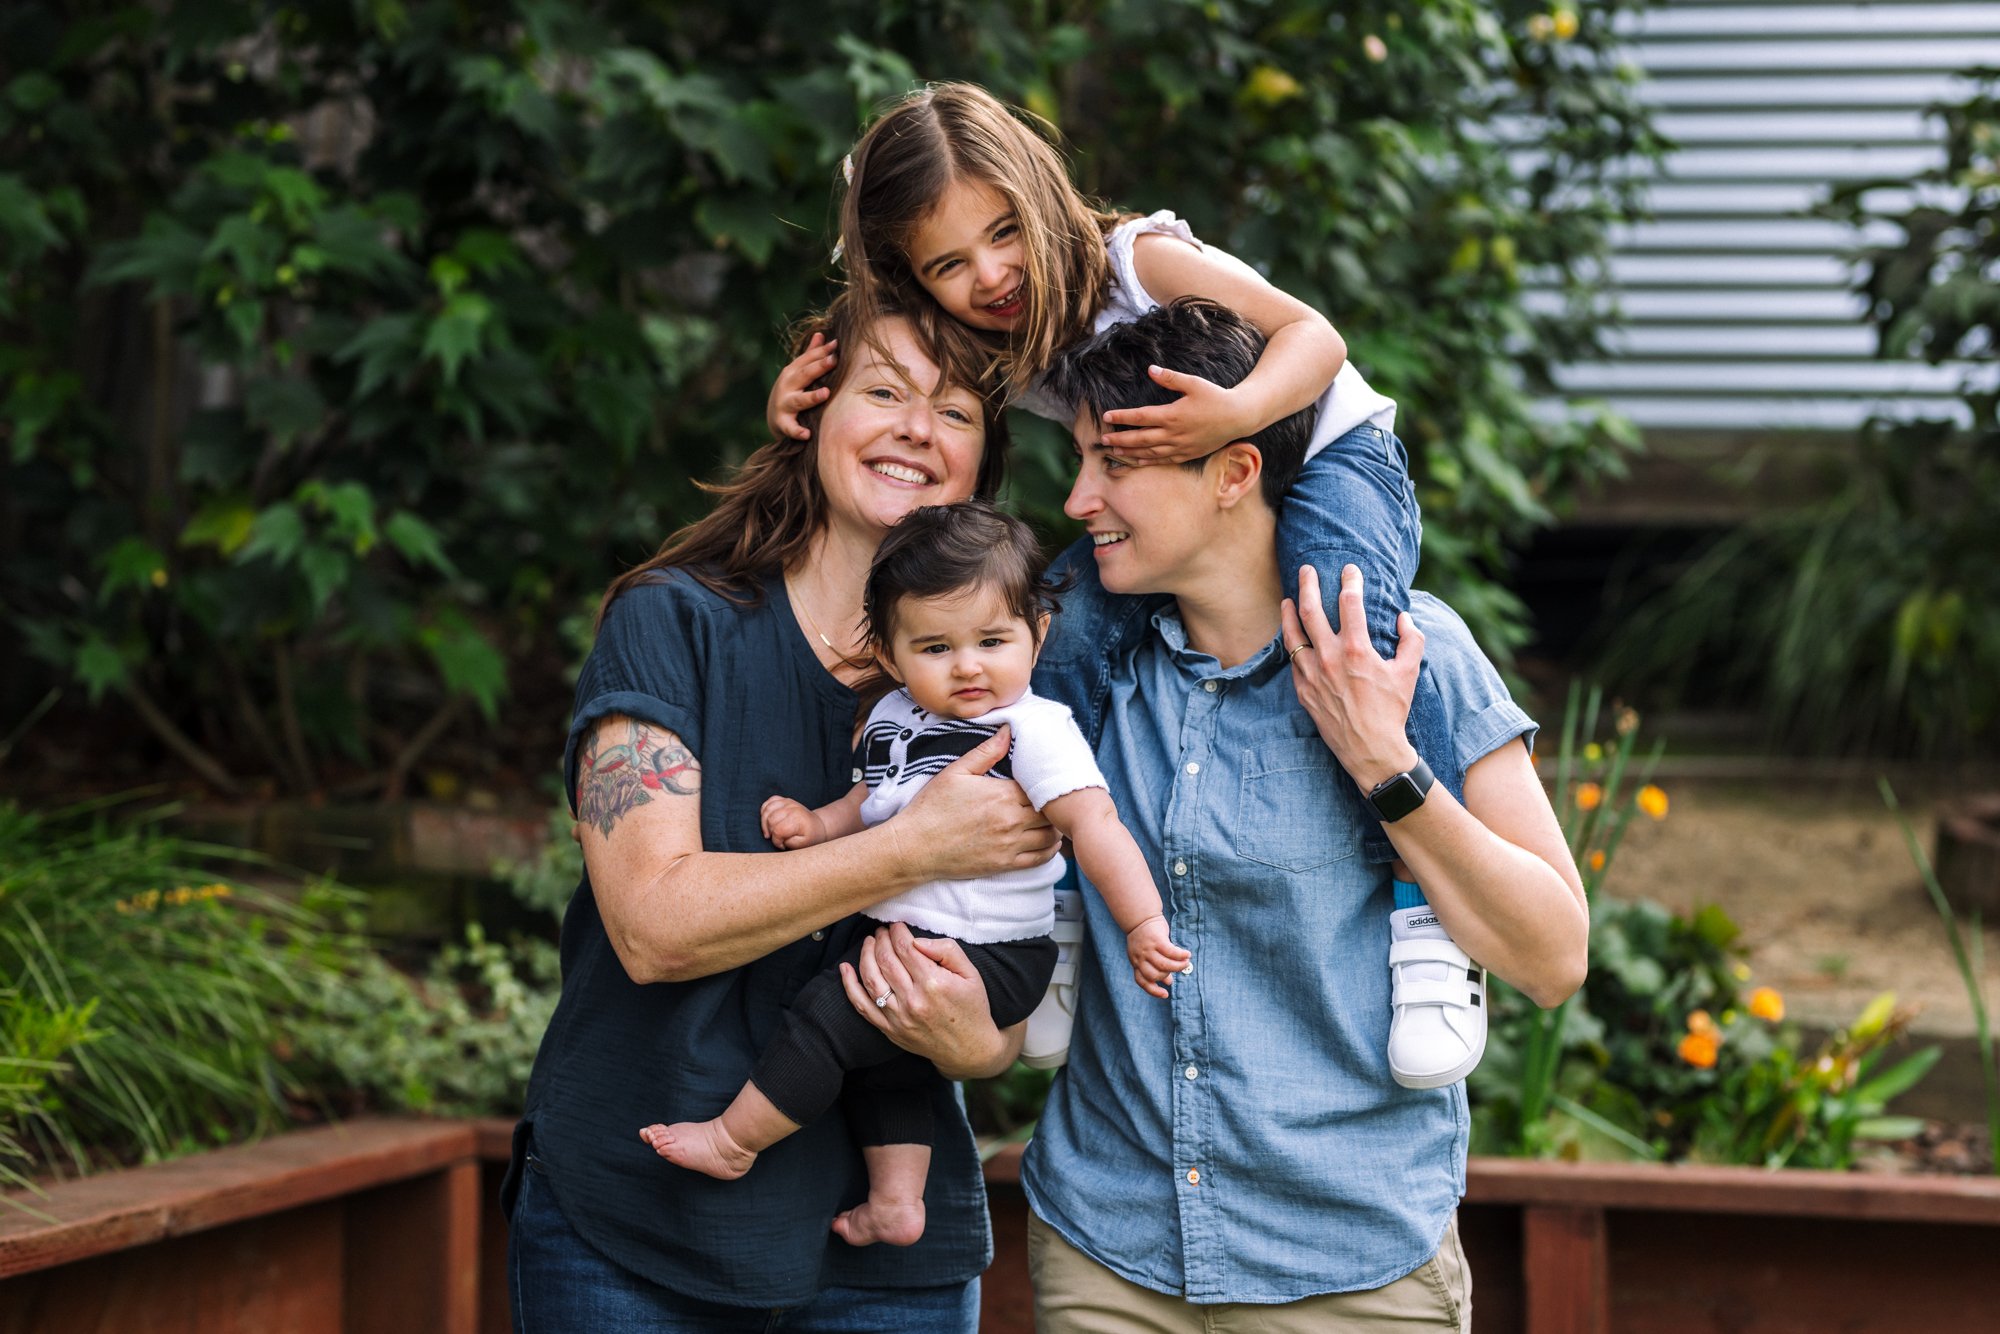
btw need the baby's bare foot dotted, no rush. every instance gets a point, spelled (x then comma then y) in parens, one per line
(702, 1146)
(893, 1223)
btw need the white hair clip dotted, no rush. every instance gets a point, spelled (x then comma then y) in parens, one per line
(847, 169)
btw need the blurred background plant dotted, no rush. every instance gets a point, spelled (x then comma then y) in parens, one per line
(1666, 1053)
(1863, 622)
(345, 352)
(169, 996)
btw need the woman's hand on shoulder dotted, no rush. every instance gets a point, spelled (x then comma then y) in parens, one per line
(1359, 699)
(965, 824)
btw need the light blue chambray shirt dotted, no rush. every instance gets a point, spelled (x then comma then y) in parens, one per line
(1244, 1141)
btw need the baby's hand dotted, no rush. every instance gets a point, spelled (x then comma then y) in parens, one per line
(1155, 958)
(790, 395)
(790, 825)
(1202, 420)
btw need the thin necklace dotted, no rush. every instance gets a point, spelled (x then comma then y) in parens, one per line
(800, 603)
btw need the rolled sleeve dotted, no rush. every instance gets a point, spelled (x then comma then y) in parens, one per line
(1480, 712)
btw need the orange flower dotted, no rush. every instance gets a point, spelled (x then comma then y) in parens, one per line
(1597, 860)
(1699, 1050)
(1589, 796)
(1767, 1004)
(1700, 1022)
(1653, 802)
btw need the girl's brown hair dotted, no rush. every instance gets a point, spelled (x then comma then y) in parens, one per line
(767, 514)
(952, 132)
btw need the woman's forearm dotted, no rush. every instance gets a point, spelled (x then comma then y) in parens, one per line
(707, 912)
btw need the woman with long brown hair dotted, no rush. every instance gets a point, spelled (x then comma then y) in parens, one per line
(723, 672)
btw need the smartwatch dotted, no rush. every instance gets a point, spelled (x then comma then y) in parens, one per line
(1396, 797)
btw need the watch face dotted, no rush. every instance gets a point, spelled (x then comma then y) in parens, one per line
(1396, 798)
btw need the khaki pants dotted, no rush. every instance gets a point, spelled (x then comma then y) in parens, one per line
(1076, 1295)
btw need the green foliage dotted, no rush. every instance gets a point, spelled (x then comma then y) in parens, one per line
(461, 1039)
(151, 996)
(1863, 621)
(1967, 957)
(1636, 1064)
(345, 351)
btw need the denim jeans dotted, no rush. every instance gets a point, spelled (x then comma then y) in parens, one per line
(560, 1284)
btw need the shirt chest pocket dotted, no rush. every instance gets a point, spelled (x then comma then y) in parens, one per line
(1292, 811)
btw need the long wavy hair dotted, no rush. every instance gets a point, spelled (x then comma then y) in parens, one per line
(954, 132)
(769, 510)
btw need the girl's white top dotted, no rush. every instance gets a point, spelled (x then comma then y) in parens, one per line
(1346, 404)
(903, 747)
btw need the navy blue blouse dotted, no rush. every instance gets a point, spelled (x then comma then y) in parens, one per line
(742, 688)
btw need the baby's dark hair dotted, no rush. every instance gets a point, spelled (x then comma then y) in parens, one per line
(940, 550)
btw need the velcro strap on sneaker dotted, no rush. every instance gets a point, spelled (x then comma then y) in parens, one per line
(1428, 951)
(1409, 991)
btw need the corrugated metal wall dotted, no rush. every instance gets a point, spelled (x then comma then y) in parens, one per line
(1738, 308)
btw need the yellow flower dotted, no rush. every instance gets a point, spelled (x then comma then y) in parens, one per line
(1699, 1050)
(1597, 860)
(1702, 1023)
(1563, 23)
(1377, 49)
(1268, 85)
(1593, 752)
(1653, 802)
(1742, 971)
(1767, 1004)
(1589, 796)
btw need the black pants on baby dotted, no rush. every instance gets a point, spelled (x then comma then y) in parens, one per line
(826, 1052)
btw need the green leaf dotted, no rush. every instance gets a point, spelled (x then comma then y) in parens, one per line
(166, 254)
(133, 563)
(742, 221)
(385, 347)
(224, 523)
(286, 406)
(457, 332)
(33, 91)
(1898, 1079)
(278, 532)
(325, 570)
(349, 505)
(418, 541)
(99, 665)
(466, 660)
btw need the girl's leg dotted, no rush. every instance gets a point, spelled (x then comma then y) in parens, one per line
(1352, 504)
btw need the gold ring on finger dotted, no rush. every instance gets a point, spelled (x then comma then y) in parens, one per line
(1292, 657)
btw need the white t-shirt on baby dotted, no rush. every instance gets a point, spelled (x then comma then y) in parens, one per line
(903, 747)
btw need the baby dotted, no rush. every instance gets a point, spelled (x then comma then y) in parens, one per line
(956, 612)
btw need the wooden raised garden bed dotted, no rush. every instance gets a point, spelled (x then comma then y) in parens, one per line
(390, 1225)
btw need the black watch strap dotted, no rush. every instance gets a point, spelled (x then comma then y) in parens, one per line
(1396, 797)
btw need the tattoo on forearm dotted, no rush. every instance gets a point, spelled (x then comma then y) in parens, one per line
(614, 777)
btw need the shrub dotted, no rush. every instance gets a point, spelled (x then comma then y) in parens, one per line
(347, 350)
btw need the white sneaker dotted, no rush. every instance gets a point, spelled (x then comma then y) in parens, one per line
(1438, 1029)
(1047, 1043)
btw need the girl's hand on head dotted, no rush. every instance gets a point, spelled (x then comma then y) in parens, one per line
(792, 395)
(1154, 956)
(1202, 420)
(1359, 699)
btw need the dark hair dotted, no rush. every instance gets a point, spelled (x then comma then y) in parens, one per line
(1195, 335)
(767, 514)
(940, 550)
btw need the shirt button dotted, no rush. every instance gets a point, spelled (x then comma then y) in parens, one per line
(819, 935)
(1192, 1073)
(1194, 1177)
(1193, 768)
(1209, 686)
(1180, 868)
(907, 734)
(892, 771)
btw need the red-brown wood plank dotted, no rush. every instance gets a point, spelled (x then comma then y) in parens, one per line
(1565, 1274)
(1734, 1190)
(279, 1273)
(413, 1253)
(115, 1210)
